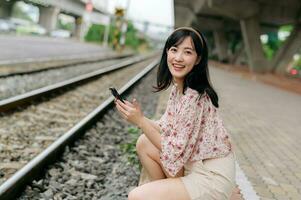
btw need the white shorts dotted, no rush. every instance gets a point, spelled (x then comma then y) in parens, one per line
(212, 179)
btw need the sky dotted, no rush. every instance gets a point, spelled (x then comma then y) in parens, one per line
(157, 12)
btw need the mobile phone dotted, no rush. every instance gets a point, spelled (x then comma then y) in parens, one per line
(116, 94)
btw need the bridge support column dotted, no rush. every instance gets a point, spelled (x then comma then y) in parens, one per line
(221, 45)
(251, 35)
(6, 8)
(78, 28)
(82, 26)
(48, 17)
(286, 52)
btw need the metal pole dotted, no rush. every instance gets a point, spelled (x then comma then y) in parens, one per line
(124, 26)
(107, 32)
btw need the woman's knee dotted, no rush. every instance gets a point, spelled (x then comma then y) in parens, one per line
(144, 147)
(135, 194)
(141, 143)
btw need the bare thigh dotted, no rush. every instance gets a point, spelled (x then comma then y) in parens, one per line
(144, 144)
(154, 153)
(164, 189)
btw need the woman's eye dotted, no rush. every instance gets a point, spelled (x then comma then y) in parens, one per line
(173, 50)
(188, 52)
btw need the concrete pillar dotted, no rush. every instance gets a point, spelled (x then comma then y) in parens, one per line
(78, 27)
(6, 8)
(48, 17)
(286, 52)
(251, 35)
(239, 55)
(82, 26)
(221, 45)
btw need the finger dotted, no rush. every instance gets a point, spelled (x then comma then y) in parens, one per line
(122, 114)
(122, 110)
(124, 106)
(128, 103)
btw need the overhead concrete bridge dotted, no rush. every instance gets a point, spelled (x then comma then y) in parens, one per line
(245, 21)
(49, 10)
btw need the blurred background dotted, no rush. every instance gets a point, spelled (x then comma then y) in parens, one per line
(98, 21)
(144, 25)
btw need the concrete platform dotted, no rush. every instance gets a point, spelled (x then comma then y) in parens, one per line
(23, 54)
(33, 47)
(264, 123)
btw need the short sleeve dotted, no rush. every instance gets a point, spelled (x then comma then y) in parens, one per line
(180, 133)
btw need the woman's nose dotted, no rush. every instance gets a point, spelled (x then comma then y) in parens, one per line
(179, 56)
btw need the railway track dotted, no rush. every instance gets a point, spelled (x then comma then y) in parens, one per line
(32, 137)
(19, 84)
(73, 78)
(32, 66)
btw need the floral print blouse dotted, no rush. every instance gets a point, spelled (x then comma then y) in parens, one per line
(191, 130)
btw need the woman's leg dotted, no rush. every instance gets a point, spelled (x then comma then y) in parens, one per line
(147, 152)
(149, 157)
(165, 189)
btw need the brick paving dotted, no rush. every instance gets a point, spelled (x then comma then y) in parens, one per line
(264, 122)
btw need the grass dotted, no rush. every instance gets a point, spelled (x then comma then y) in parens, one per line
(129, 149)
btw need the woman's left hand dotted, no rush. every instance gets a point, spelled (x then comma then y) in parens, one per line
(130, 111)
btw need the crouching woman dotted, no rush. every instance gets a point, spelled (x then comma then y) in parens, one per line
(187, 153)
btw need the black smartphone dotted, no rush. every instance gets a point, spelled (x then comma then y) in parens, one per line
(116, 94)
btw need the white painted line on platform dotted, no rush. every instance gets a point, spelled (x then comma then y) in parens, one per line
(244, 185)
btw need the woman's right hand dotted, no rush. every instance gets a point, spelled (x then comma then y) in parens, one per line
(131, 112)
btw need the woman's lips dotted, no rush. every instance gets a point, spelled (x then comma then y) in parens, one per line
(178, 67)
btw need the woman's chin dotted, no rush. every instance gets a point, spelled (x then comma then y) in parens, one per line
(177, 77)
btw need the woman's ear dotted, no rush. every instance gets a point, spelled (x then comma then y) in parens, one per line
(198, 60)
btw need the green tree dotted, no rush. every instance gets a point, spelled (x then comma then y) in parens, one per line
(66, 26)
(18, 12)
(274, 43)
(95, 33)
(133, 38)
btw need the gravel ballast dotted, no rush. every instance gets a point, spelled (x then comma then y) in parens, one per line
(96, 167)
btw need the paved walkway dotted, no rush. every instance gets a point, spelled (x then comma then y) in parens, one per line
(24, 47)
(265, 124)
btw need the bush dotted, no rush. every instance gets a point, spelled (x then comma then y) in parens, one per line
(95, 33)
(129, 149)
(133, 39)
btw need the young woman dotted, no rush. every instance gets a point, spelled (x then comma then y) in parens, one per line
(187, 153)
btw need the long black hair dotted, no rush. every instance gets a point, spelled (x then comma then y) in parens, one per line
(198, 78)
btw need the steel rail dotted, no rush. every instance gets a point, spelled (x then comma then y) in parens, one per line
(13, 102)
(61, 63)
(12, 187)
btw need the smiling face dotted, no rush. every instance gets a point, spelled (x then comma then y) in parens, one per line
(181, 59)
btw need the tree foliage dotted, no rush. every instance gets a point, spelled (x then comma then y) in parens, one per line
(133, 38)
